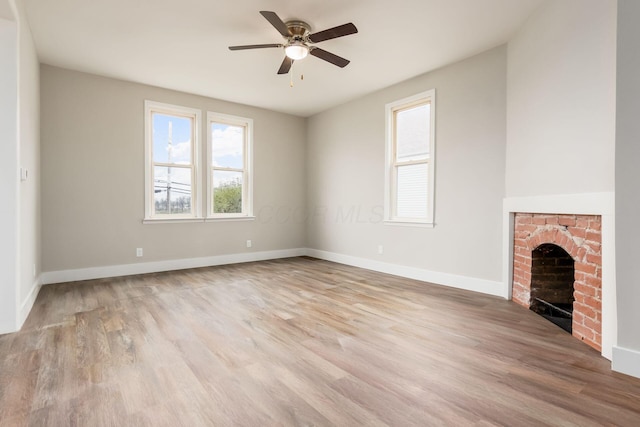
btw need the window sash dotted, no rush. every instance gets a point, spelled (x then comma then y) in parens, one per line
(246, 191)
(394, 165)
(152, 108)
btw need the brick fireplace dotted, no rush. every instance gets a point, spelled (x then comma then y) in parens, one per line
(557, 261)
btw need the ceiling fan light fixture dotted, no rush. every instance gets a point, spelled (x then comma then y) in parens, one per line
(296, 50)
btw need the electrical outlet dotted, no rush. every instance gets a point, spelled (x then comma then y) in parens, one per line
(138, 252)
(249, 244)
(380, 250)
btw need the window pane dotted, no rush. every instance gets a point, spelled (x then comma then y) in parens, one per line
(227, 192)
(171, 139)
(227, 145)
(412, 133)
(411, 191)
(172, 190)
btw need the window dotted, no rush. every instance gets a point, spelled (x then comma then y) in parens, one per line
(409, 195)
(171, 159)
(229, 166)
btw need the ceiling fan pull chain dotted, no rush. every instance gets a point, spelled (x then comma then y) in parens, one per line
(291, 74)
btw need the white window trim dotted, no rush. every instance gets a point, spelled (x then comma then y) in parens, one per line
(196, 194)
(247, 187)
(390, 187)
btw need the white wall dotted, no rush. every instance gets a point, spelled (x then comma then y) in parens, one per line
(627, 354)
(561, 100)
(93, 180)
(8, 174)
(19, 211)
(345, 158)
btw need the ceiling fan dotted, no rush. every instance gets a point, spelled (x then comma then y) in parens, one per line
(299, 41)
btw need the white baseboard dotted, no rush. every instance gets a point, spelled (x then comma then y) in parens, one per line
(461, 282)
(446, 279)
(27, 304)
(24, 310)
(626, 361)
(159, 266)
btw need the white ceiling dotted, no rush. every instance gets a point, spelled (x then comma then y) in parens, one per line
(182, 45)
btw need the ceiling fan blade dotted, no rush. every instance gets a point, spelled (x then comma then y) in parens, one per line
(254, 46)
(286, 65)
(277, 23)
(332, 33)
(329, 57)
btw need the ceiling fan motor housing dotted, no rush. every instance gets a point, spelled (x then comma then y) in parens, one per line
(299, 30)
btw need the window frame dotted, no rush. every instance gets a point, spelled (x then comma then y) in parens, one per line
(150, 108)
(391, 165)
(247, 171)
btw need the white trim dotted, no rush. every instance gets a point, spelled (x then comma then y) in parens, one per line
(484, 286)
(27, 304)
(159, 266)
(428, 96)
(582, 204)
(626, 361)
(196, 194)
(247, 150)
(602, 204)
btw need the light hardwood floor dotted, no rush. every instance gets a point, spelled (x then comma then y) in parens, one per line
(298, 342)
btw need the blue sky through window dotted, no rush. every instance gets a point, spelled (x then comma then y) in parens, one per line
(179, 129)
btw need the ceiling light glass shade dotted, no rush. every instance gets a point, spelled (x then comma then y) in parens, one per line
(296, 51)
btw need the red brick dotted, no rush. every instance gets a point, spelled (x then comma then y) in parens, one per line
(595, 225)
(519, 259)
(577, 232)
(585, 310)
(594, 236)
(582, 331)
(523, 219)
(552, 220)
(594, 281)
(591, 301)
(527, 228)
(584, 288)
(582, 222)
(567, 220)
(581, 254)
(594, 259)
(593, 247)
(585, 268)
(592, 324)
(538, 220)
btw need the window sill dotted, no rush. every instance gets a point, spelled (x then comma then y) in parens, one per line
(229, 218)
(184, 220)
(409, 224)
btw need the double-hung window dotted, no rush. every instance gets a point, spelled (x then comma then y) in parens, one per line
(171, 161)
(409, 195)
(229, 166)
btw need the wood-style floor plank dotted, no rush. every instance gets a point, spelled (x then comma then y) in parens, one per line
(295, 342)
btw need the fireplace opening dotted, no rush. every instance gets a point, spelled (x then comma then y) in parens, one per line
(552, 279)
